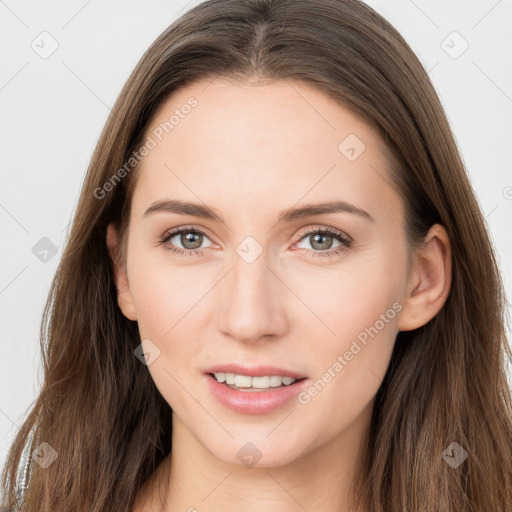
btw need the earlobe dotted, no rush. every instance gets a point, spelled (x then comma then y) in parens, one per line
(124, 298)
(429, 282)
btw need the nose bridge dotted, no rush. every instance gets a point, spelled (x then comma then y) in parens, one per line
(251, 296)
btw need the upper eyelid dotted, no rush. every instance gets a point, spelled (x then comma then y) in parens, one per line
(334, 231)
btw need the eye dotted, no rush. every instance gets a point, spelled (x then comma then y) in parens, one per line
(190, 239)
(322, 240)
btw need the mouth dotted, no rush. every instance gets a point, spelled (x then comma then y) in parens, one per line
(253, 383)
(254, 390)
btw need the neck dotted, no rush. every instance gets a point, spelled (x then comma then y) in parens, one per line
(192, 479)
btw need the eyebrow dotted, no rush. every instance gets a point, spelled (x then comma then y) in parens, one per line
(289, 215)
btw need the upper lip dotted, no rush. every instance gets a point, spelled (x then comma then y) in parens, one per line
(253, 371)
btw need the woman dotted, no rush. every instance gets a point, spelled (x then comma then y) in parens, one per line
(278, 292)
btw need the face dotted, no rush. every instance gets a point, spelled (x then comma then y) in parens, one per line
(255, 287)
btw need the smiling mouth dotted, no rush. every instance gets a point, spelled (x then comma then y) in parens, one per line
(250, 383)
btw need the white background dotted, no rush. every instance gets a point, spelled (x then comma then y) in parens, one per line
(52, 112)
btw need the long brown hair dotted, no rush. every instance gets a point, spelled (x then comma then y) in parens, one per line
(446, 382)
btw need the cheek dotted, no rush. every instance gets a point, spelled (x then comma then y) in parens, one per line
(355, 325)
(349, 366)
(347, 384)
(340, 301)
(167, 295)
(171, 303)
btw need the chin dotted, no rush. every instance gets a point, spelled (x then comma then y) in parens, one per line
(258, 450)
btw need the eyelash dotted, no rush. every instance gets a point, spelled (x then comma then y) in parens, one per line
(338, 235)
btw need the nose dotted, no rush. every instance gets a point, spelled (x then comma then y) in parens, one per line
(252, 302)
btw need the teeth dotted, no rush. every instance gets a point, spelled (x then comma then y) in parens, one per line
(242, 381)
(260, 382)
(275, 381)
(246, 381)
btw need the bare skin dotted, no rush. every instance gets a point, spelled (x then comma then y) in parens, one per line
(251, 151)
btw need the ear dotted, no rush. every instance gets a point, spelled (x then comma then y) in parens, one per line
(429, 280)
(124, 298)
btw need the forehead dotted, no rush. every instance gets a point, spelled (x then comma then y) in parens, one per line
(227, 141)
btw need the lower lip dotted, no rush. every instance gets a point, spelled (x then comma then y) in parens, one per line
(254, 402)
